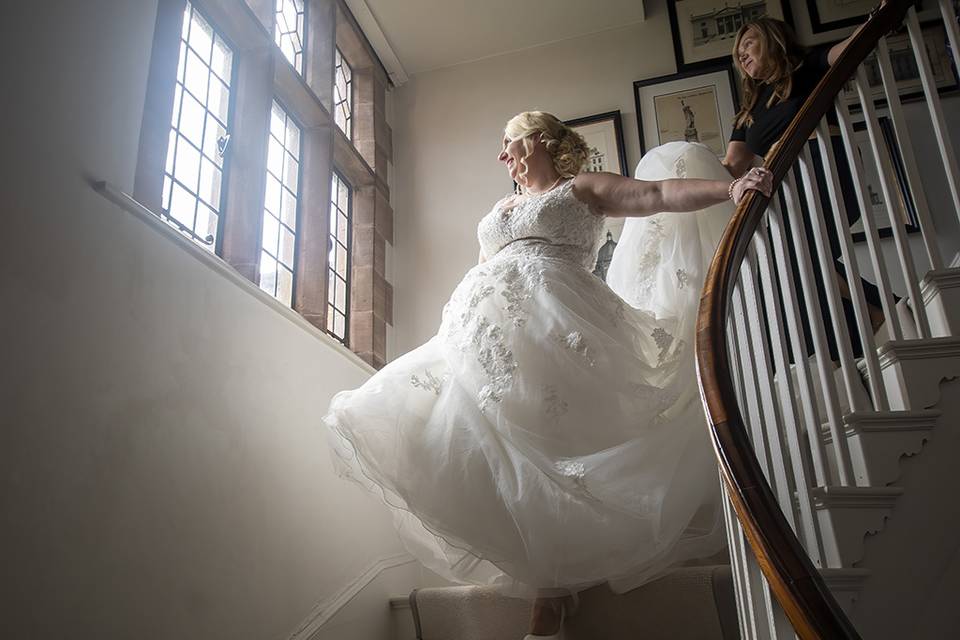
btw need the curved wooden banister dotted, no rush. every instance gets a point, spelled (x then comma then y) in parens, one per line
(795, 581)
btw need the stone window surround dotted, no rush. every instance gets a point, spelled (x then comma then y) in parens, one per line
(261, 74)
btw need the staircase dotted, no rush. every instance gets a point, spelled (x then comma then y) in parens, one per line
(841, 470)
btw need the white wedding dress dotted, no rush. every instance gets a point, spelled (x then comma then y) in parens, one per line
(549, 435)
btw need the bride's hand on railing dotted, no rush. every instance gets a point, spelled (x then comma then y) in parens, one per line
(757, 179)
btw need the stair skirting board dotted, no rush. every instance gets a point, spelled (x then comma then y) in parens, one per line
(327, 608)
(847, 515)
(877, 441)
(913, 370)
(846, 585)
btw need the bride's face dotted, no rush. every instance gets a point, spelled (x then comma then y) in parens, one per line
(512, 151)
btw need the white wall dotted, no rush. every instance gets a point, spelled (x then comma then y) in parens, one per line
(447, 127)
(163, 473)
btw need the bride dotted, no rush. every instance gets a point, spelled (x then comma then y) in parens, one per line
(549, 437)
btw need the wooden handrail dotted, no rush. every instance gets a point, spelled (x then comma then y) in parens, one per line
(795, 581)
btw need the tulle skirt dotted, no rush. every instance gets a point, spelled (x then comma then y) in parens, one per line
(549, 436)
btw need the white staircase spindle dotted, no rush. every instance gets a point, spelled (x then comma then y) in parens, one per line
(877, 391)
(890, 192)
(754, 417)
(953, 30)
(869, 224)
(821, 352)
(769, 427)
(740, 568)
(851, 375)
(800, 464)
(947, 154)
(798, 345)
(901, 132)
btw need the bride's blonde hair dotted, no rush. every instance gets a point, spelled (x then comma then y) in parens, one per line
(566, 147)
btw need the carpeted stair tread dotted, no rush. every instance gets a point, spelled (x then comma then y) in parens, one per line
(691, 603)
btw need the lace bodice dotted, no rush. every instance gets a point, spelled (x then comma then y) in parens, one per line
(553, 224)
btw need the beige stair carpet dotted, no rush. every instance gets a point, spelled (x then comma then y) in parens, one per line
(691, 603)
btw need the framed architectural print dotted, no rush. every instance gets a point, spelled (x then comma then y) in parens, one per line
(905, 69)
(695, 106)
(826, 21)
(704, 30)
(903, 203)
(604, 135)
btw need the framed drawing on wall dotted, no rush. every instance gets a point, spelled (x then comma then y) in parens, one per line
(604, 135)
(822, 21)
(903, 204)
(904, 65)
(704, 30)
(695, 106)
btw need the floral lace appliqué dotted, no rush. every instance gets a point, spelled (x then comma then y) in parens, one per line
(683, 278)
(553, 405)
(574, 341)
(496, 361)
(429, 382)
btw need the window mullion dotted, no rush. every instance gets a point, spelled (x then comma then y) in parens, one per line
(242, 218)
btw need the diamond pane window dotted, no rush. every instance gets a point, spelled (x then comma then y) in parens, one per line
(288, 31)
(343, 96)
(279, 237)
(193, 173)
(338, 264)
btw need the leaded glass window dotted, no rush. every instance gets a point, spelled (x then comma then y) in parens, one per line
(288, 31)
(193, 174)
(279, 231)
(343, 95)
(338, 266)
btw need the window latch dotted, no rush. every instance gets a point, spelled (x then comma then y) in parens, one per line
(222, 143)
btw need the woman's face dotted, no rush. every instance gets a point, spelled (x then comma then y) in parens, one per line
(750, 55)
(510, 153)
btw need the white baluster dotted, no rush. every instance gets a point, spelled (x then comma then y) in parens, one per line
(770, 427)
(953, 30)
(742, 587)
(891, 196)
(828, 271)
(902, 134)
(798, 345)
(800, 464)
(754, 412)
(824, 368)
(877, 391)
(869, 224)
(940, 131)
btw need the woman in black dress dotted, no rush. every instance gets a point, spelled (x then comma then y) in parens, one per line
(777, 76)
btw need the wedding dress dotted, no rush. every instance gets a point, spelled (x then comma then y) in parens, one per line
(549, 435)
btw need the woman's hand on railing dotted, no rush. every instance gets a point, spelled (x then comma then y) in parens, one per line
(757, 179)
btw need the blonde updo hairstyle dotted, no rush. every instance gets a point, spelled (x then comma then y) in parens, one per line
(567, 147)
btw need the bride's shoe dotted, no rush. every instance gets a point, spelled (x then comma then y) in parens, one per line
(564, 608)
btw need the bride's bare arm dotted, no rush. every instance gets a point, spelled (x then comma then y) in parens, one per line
(616, 196)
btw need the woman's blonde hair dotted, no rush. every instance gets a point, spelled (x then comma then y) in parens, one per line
(567, 147)
(780, 55)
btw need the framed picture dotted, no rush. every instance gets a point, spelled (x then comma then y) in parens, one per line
(604, 135)
(905, 69)
(695, 106)
(822, 21)
(903, 204)
(704, 30)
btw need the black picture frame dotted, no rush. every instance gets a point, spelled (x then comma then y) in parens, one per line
(908, 88)
(906, 201)
(783, 9)
(725, 68)
(614, 121)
